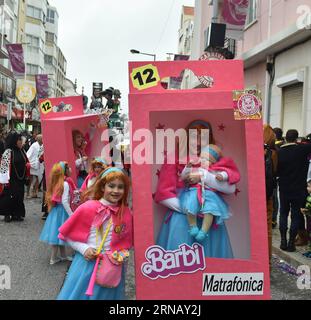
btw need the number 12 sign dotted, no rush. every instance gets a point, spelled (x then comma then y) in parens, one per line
(145, 77)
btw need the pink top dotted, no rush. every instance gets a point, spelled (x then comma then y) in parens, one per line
(77, 227)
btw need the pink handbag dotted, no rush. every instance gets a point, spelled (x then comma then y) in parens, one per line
(108, 273)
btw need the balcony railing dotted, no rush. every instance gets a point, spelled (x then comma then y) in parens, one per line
(230, 48)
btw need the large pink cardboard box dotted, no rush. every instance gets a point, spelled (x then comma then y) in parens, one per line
(60, 116)
(155, 107)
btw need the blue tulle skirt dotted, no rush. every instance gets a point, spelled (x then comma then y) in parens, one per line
(77, 282)
(175, 231)
(80, 181)
(54, 221)
(213, 204)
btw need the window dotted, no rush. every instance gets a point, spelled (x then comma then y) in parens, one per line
(49, 36)
(252, 12)
(48, 59)
(50, 16)
(34, 12)
(34, 43)
(32, 69)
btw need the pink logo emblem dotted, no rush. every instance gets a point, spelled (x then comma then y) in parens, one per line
(249, 104)
(164, 263)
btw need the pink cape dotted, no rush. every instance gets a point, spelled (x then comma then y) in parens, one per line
(84, 185)
(77, 228)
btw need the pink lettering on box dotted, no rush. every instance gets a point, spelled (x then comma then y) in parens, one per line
(165, 263)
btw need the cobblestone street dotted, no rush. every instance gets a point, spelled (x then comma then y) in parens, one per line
(34, 279)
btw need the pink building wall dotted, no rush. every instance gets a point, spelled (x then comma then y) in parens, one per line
(283, 14)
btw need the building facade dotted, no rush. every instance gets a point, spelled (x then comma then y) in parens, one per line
(9, 11)
(275, 48)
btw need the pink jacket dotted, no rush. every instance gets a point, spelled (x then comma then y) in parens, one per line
(77, 227)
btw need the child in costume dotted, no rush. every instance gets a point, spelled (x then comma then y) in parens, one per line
(100, 231)
(58, 197)
(98, 165)
(307, 212)
(200, 199)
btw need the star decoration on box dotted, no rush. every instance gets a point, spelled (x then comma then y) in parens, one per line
(221, 127)
(160, 126)
(237, 191)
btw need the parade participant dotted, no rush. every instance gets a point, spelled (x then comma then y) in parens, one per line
(270, 178)
(33, 154)
(14, 170)
(82, 146)
(199, 198)
(97, 166)
(58, 197)
(306, 211)
(175, 225)
(101, 232)
(79, 145)
(292, 171)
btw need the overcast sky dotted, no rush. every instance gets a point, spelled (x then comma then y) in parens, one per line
(96, 37)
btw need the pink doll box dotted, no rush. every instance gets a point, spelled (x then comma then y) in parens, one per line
(156, 107)
(57, 130)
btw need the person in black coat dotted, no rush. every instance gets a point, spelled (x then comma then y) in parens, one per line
(292, 171)
(13, 173)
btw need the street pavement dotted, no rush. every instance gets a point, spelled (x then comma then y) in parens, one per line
(32, 278)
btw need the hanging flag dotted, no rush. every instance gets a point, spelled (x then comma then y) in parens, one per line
(175, 82)
(16, 56)
(42, 85)
(234, 14)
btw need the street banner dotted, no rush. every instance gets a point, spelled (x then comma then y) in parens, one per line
(234, 14)
(42, 85)
(16, 56)
(25, 91)
(175, 82)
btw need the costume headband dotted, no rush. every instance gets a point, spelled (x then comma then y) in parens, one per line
(214, 153)
(200, 122)
(110, 170)
(63, 165)
(100, 160)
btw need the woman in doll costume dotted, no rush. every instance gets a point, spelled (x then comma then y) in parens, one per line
(175, 227)
(82, 146)
(58, 198)
(100, 226)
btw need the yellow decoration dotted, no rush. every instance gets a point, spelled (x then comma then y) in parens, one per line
(46, 106)
(25, 92)
(145, 77)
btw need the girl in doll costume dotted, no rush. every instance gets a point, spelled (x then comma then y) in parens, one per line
(100, 228)
(58, 197)
(82, 146)
(200, 199)
(98, 165)
(170, 188)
